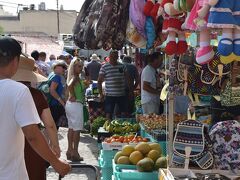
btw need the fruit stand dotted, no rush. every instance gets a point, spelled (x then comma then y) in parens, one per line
(128, 152)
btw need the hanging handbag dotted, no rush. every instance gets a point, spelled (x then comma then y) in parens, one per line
(225, 137)
(202, 81)
(193, 134)
(230, 96)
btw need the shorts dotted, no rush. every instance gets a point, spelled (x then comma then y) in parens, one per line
(111, 101)
(74, 112)
(57, 112)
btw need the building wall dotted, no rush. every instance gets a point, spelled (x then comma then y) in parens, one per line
(41, 21)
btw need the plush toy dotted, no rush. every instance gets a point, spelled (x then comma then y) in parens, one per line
(184, 6)
(154, 11)
(197, 21)
(225, 15)
(149, 25)
(173, 20)
(148, 7)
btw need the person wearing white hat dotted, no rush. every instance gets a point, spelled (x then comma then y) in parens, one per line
(19, 118)
(36, 166)
(56, 88)
(94, 67)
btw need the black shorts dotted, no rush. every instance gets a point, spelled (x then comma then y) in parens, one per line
(111, 101)
(57, 111)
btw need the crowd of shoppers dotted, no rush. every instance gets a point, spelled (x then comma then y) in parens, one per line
(24, 107)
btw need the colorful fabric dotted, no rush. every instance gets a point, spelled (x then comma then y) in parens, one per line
(226, 145)
(230, 95)
(191, 25)
(191, 133)
(221, 15)
(136, 15)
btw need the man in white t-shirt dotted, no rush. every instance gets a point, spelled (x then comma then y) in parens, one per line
(150, 99)
(19, 118)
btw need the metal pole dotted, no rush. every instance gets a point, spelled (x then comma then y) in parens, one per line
(58, 26)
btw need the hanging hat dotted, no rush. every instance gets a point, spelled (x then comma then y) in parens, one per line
(94, 57)
(25, 71)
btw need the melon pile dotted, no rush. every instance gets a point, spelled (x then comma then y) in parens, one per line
(147, 157)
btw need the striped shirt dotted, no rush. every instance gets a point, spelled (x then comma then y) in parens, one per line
(114, 77)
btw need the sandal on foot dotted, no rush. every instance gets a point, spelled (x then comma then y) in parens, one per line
(69, 156)
(77, 158)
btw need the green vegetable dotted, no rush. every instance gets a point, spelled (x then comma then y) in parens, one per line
(97, 123)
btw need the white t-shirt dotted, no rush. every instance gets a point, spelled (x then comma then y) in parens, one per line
(17, 109)
(149, 75)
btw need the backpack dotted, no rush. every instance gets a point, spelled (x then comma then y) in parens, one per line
(44, 87)
(194, 134)
(226, 142)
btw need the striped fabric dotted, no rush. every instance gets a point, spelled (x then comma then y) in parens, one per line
(191, 133)
(114, 79)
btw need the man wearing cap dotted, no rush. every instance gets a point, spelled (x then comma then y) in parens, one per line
(94, 67)
(19, 118)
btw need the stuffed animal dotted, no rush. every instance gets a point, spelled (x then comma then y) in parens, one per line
(197, 21)
(225, 15)
(149, 25)
(184, 6)
(173, 20)
(148, 7)
(154, 11)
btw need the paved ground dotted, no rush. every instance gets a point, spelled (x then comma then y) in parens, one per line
(87, 148)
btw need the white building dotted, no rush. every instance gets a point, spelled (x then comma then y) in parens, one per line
(42, 21)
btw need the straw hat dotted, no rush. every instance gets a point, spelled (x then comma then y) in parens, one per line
(94, 57)
(25, 71)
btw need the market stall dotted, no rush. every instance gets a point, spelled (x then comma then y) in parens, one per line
(201, 44)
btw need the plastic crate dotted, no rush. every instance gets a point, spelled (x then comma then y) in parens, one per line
(107, 173)
(105, 158)
(106, 165)
(142, 130)
(99, 146)
(107, 154)
(129, 172)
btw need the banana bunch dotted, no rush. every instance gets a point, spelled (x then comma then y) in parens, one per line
(119, 127)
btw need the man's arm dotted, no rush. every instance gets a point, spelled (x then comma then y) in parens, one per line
(147, 87)
(129, 81)
(137, 79)
(100, 81)
(39, 144)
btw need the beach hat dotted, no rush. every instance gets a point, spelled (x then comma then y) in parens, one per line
(25, 71)
(60, 63)
(94, 57)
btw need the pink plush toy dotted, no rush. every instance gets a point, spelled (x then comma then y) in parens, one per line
(225, 15)
(173, 20)
(197, 21)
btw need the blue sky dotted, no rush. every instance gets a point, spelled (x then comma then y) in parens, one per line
(50, 4)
